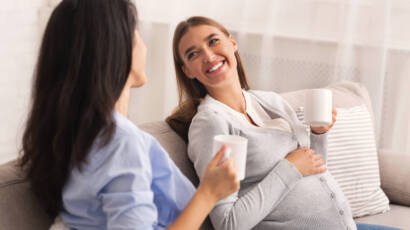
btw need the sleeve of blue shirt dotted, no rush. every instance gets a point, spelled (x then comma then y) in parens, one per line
(126, 195)
(172, 189)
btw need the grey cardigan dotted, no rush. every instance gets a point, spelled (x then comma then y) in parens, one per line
(273, 195)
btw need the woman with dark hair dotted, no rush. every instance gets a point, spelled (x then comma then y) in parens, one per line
(84, 159)
(286, 186)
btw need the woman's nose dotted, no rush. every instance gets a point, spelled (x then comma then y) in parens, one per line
(208, 55)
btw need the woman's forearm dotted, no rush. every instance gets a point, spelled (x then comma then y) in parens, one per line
(319, 144)
(195, 212)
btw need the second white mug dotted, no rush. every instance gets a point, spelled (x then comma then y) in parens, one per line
(318, 107)
(238, 146)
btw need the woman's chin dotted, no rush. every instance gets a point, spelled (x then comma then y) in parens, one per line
(139, 85)
(139, 81)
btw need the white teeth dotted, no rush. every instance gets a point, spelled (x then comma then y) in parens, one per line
(215, 67)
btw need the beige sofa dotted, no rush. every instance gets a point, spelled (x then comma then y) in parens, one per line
(19, 210)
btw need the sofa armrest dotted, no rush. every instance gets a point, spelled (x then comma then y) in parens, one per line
(395, 176)
(19, 208)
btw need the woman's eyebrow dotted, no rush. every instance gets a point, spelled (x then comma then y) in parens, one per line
(210, 36)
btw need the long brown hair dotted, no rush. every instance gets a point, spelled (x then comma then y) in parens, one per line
(84, 62)
(191, 91)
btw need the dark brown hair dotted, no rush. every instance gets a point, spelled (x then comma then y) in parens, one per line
(83, 65)
(191, 91)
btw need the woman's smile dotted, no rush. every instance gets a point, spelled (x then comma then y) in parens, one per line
(215, 68)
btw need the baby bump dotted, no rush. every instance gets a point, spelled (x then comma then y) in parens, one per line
(314, 197)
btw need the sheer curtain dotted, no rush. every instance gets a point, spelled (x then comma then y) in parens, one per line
(294, 44)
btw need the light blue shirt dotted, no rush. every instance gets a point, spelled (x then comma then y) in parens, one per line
(131, 183)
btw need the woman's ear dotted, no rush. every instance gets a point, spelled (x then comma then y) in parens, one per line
(234, 43)
(187, 72)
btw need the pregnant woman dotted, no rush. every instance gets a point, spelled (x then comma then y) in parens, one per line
(286, 186)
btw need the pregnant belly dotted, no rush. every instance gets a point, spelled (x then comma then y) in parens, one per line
(316, 198)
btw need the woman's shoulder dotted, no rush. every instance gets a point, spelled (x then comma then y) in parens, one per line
(129, 151)
(125, 128)
(209, 121)
(127, 142)
(212, 110)
(208, 117)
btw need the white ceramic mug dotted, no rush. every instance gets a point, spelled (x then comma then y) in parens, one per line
(238, 146)
(318, 107)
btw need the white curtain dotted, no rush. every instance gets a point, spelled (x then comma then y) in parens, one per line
(285, 45)
(294, 44)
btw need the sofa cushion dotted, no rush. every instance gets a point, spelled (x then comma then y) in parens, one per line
(395, 176)
(19, 209)
(397, 217)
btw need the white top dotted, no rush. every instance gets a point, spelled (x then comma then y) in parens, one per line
(257, 113)
(261, 118)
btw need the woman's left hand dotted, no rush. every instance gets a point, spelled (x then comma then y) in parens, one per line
(324, 129)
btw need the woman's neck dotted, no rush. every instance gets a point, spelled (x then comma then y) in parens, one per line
(231, 96)
(121, 105)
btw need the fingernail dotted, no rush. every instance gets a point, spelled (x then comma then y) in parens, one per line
(227, 153)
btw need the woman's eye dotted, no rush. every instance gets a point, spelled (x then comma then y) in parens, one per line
(213, 41)
(191, 55)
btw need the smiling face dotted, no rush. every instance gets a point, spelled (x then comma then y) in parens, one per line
(209, 56)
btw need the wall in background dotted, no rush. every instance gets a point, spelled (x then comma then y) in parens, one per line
(20, 32)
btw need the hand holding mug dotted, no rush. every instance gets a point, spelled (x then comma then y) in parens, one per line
(220, 178)
(324, 129)
(320, 114)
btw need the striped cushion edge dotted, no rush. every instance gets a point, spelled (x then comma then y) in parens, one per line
(352, 160)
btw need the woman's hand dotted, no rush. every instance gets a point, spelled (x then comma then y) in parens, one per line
(306, 161)
(220, 178)
(324, 129)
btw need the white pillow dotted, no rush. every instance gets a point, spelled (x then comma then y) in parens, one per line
(352, 160)
(58, 224)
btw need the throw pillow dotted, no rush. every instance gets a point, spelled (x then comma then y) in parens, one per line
(353, 162)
